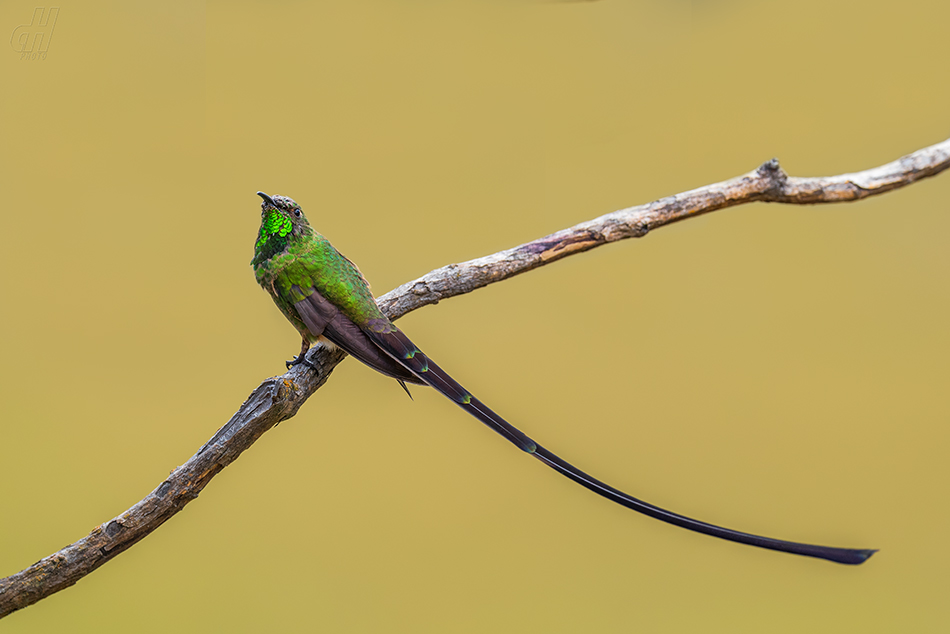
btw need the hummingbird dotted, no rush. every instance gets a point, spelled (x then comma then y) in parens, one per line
(327, 299)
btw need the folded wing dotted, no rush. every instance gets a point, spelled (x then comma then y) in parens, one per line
(323, 318)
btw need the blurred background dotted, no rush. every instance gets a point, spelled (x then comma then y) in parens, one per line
(776, 369)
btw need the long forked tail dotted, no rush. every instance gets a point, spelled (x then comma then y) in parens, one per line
(838, 555)
(397, 345)
(490, 418)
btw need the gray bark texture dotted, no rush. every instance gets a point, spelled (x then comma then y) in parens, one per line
(279, 398)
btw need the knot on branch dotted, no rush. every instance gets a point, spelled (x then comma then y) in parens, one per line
(775, 177)
(114, 527)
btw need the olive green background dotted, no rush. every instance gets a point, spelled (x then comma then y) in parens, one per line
(776, 369)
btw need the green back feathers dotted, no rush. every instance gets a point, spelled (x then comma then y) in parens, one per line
(314, 264)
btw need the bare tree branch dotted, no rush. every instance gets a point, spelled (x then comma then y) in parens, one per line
(279, 398)
(768, 183)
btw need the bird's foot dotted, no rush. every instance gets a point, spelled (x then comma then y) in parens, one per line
(300, 358)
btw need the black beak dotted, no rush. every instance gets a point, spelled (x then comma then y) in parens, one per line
(267, 199)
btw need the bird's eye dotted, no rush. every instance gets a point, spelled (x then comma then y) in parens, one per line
(297, 212)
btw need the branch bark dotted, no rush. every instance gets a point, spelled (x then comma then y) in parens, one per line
(279, 398)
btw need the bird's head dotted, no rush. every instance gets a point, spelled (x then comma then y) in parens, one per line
(282, 219)
(278, 210)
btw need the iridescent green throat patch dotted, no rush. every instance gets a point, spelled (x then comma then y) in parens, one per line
(273, 236)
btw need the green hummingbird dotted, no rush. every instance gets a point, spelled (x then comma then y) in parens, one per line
(327, 299)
